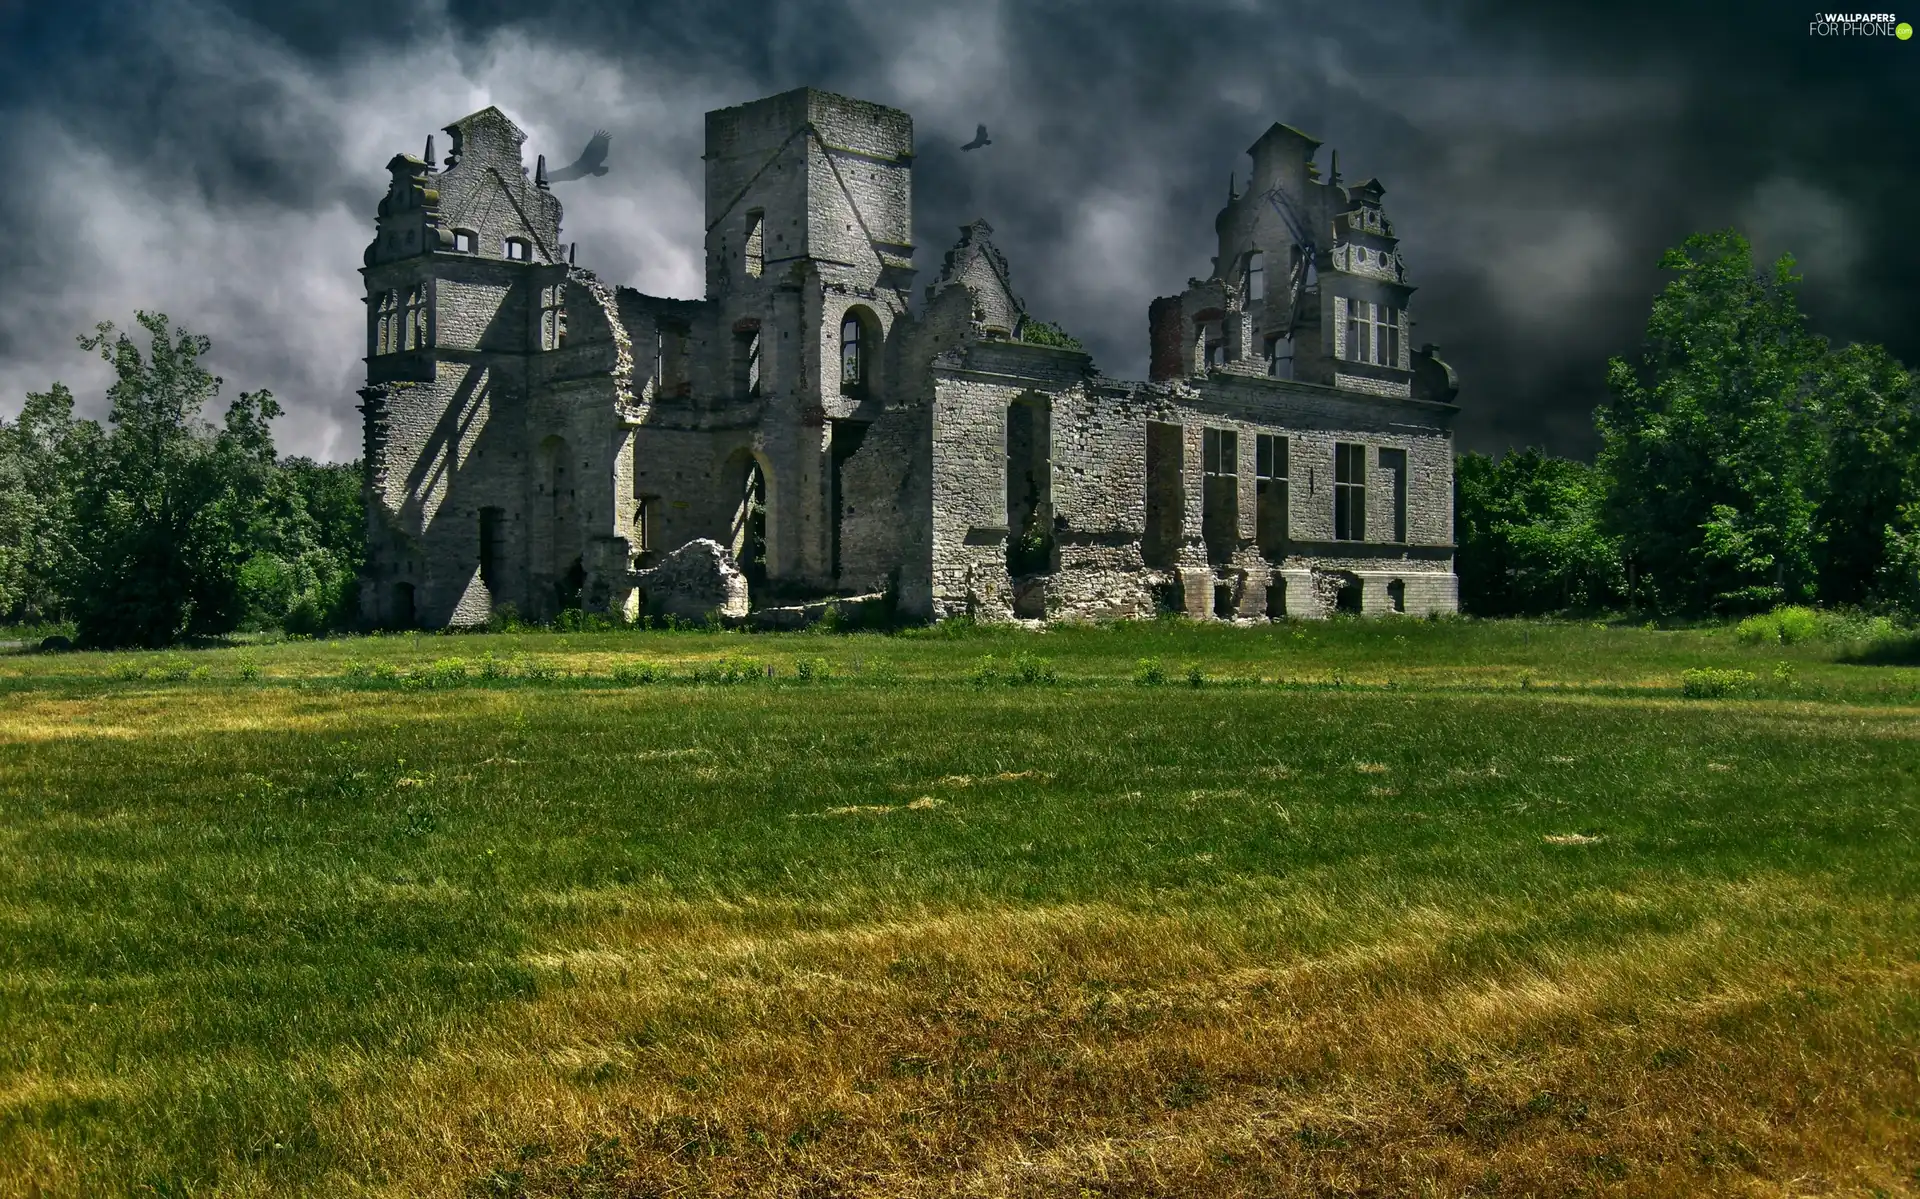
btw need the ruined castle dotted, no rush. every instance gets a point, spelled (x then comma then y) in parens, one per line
(539, 438)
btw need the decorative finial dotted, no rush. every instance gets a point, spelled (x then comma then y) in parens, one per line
(1333, 168)
(429, 151)
(573, 248)
(540, 171)
(1232, 178)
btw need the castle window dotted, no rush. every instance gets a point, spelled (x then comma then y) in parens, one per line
(493, 543)
(1396, 461)
(756, 243)
(386, 322)
(645, 517)
(670, 361)
(1349, 492)
(464, 241)
(1256, 277)
(516, 249)
(1220, 500)
(1166, 497)
(415, 319)
(553, 316)
(1373, 333)
(857, 336)
(746, 358)
(1215, 336)
(1279, 357)
(1270, 494)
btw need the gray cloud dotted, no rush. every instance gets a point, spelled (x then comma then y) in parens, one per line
(222, 162)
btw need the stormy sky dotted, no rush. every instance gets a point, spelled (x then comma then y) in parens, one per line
(221, 162)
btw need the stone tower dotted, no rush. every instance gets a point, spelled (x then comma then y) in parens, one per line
(465, 282)
(809, 255)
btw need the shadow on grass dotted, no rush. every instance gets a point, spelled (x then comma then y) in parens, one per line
(1892, 651)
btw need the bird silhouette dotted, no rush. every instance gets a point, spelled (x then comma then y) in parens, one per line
(979, 139)
(592, 160)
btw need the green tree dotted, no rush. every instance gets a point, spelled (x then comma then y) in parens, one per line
(41, 454)
(307, 549)
(1869, 412)
(168, 510)
(1709, 446)
(1528, 530)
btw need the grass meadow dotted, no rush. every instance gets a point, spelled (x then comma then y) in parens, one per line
(1354, 908)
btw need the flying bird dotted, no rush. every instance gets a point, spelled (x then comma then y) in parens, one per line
(592, 160)
(979, 139)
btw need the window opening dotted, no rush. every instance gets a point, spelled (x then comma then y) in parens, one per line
(1349, 492)
(1220, 499)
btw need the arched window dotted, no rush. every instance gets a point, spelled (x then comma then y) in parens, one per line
(1256, 277)
(465, 241)
(853, 356)
(516, 249)
(415, 335)
(386, 322)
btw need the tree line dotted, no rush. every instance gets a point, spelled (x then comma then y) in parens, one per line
(1744, 463)
(163, 524)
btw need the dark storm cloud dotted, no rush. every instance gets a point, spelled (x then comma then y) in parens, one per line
(222, 162)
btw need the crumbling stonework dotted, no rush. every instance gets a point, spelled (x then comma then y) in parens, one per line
(540, 439)
(694, 582)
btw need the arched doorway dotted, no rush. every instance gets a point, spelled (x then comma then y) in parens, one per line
(747, 485)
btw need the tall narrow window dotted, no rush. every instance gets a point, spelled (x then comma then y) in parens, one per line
(1220, 501)
(756, 243)
(1256, 277)
(553, 316)
(1270, 495)
(493, 543)
(746, 359)
(415, 318)
(659, 359)
(1396, 462)
(386, 322)
(645, 516)
(1349, 492)
(1216, 338)
(1166, 494)
(1279, 357)
(1390, 337)
(1357, 329)
(853, 358)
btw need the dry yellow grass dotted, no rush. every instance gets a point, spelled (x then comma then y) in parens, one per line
(1089, 1049)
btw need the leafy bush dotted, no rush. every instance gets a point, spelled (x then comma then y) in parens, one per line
(635, 674)
(1194, 677)
(249, 669)
(812, 670)
(1029, 670)
(730, 670)
(1789, 625)
(1046, 333)
(447, 672)
(1148, 672)
(1712, 683)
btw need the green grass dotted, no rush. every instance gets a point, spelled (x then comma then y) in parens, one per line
(1478, 907)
